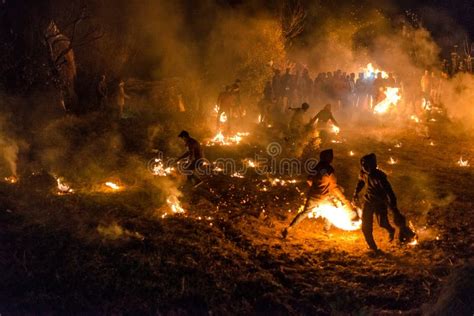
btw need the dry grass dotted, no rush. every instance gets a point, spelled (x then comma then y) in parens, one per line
(104, 253)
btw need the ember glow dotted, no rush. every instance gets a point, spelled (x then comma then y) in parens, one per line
(11, 179)
(415, 118)
(335, 129)
(250, 163)
(392, 97)
(392, 161)
(174, 205)
(112, 186)
(158, 168)
(63, 188)
(221, 140)
(463, 163)
(223, 117)
(341, 216)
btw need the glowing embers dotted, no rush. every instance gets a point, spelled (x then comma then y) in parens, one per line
(158, 168)
(62, 187)
(392, 97)
(113, 186)
(334, 129)
(338, 214)
(249, 163)
(463, 163)
(11, 179)
(415, 118)
(392, 161)
(221, 140)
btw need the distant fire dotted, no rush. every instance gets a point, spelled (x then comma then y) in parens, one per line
(392, 97)
(426, 105)
(63, 188)
(371, 71)
(415, 118)
(351, 153)
(11, 179)
(341, 216)
(250, 163)
(222, 140)
(223, 117)
(392, 161)
(174, 205)
(463, 163)
(113, 186)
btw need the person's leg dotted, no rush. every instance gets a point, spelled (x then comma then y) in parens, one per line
(382, 218)
(304, 213)
(299, 217)
(367, 222)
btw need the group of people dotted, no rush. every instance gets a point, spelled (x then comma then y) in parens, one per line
(346, 91)
(377, 200)
(337, 87)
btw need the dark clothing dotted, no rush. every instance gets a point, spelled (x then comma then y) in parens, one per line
(323, 117)
(323, 178)
(378, 189)
(102, 93)
(194, 152)
(381, 213)
(378, 198)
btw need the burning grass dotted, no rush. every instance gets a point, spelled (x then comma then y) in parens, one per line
(218, 249)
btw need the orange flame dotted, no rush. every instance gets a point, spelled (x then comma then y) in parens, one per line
(392, 97)
(341, 216)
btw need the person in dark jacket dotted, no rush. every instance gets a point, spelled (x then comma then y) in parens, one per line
(323, 184)
(323, 117)
(378, 198)
(194, 156)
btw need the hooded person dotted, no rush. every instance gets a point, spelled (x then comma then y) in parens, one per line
(194, 156)
(378, 198)
(323, 186)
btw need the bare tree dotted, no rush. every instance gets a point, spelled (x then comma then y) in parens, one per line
(293, 18)
(61, 53)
